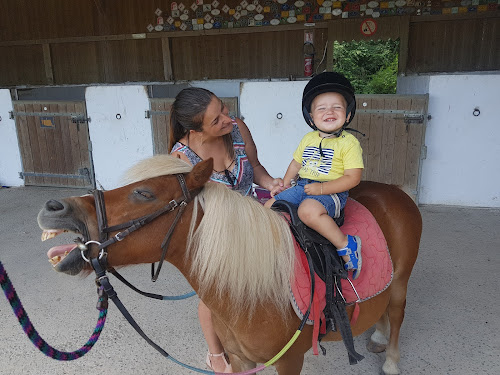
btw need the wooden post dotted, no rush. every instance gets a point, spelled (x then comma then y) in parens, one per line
(167, 59)
(47, 61)
(404, 31)
(329, 49)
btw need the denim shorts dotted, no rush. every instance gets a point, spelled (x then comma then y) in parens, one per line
(333, 202)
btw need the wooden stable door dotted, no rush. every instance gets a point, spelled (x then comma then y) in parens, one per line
(393, 147)
(54, 143)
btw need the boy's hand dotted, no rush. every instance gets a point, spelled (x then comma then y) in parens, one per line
(313, 189)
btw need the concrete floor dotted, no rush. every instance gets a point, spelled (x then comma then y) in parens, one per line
(452, 320)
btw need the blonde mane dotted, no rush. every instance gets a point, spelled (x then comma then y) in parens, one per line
(158, 165)
(243, 250)
(240, 249)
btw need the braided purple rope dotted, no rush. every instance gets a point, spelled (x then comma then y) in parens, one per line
(33, 335)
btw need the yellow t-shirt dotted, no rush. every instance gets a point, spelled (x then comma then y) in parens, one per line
(340, 153)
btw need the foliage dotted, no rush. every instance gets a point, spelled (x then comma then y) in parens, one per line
(371, 66)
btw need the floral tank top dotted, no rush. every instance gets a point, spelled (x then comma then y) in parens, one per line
(240, 178)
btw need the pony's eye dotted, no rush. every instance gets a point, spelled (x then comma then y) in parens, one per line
(143, 194)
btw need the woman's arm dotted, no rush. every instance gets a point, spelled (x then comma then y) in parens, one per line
(291, 172)
(260, 175)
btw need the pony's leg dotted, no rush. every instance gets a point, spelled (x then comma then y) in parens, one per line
(378, 340)
(290, 365)
(396, 312)
(240, 364)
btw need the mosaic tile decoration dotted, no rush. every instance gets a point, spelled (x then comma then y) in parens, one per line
(205, 14)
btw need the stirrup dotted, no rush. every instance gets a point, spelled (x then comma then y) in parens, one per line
(353, 249)
(227, 370)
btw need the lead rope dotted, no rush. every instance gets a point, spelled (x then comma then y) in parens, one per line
(29, 329)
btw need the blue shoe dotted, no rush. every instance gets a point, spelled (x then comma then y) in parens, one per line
(353, 249)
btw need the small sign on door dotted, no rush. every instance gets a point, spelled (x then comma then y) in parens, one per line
(47, 122)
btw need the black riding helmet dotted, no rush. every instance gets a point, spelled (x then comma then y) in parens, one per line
(328, 82)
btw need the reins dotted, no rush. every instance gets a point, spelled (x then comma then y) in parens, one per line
(106, 290)
(31, 332)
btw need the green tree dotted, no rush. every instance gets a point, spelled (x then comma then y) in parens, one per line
(371, 66)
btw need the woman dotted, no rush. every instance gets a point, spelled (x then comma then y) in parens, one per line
(200, 128)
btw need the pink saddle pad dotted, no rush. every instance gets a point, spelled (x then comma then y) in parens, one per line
(376, 273)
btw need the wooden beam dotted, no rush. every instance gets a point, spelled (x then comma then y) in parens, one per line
(47, 61)
(167, 59)
(169, 34)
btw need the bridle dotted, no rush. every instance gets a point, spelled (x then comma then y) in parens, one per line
(99, 262)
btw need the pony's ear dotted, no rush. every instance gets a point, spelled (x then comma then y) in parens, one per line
(200, 174)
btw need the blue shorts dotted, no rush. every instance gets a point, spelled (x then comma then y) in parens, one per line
(333, 202)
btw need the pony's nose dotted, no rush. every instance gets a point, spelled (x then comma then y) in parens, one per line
(54, 205)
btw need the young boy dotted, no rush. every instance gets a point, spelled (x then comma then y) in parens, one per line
(328, 161)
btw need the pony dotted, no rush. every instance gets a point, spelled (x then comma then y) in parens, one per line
(237, 255)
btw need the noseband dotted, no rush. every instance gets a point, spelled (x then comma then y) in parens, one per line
(100, 261)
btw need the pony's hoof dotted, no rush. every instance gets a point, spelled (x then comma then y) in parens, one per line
(390, 368)
(375, 347)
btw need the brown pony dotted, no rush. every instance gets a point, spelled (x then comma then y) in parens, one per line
(238, 256)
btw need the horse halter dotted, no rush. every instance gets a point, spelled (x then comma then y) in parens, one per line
(131, 226)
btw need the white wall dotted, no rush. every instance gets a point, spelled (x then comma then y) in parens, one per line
(276, 139)
(463, 151)
(117, 144)
(10, 156)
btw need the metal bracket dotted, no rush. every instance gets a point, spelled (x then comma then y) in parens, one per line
(413, 118)
(149, 114)
(79, 119)
(82, 173)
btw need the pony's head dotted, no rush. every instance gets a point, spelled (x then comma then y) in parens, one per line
(231, 247)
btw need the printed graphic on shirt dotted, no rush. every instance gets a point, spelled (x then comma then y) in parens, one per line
(314, 164)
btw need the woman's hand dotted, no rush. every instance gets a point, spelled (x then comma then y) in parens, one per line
(276, 182)
(315, 188)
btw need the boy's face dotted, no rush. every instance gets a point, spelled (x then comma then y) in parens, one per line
(328, 111)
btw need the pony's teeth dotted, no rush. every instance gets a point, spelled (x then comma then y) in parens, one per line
(48, 234)
(55, 260)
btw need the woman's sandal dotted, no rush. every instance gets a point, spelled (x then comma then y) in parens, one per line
(228, 369)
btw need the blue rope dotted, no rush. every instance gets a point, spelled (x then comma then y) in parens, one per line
(176, 298)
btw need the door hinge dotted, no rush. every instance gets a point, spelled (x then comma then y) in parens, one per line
(423, 152)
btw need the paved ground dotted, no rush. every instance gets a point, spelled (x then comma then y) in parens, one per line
(452, 322)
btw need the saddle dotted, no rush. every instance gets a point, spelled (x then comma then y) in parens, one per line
(328, 265)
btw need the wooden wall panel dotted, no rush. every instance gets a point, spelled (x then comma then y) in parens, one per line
(41, 19)
(254, 55)
(21, 65)
(131, 60)
(454, 45)
(76, 63)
